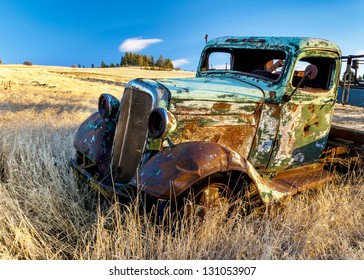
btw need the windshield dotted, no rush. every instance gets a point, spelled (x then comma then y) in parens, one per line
(265, 64)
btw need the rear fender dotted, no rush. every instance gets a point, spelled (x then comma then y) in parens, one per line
(173, 170)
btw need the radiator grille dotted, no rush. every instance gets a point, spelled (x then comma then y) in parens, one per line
(131, 134)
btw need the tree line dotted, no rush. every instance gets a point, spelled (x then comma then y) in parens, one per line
(134, 59)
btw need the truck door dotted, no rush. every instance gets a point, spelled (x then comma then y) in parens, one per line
(305, 120)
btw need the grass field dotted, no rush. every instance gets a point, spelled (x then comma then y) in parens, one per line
(43, 214)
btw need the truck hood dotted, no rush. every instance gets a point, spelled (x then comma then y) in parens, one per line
(213, 89)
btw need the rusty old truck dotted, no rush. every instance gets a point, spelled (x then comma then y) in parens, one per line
(255, 122)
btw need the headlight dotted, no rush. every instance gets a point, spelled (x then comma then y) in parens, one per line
(108, 105)
(161, 122)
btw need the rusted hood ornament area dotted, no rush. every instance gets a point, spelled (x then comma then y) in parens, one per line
(255, 121)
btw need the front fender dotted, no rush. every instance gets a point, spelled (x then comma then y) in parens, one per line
(95, 137)
(173, 170)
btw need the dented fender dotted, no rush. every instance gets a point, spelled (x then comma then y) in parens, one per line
(173, 170)
(94, 138)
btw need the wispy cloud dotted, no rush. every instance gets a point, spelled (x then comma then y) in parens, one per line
(359, 52)
(180, 62)
(137, 44)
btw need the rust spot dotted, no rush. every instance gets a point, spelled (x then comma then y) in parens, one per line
(311, 108)
(190, 129)
(294, 107)
(221, 107)
(306, 129)
(238, 137)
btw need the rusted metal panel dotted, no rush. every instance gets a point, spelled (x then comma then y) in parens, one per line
(231, 128)
(216, 110)
(303, 178)
(173, 170)
(193, 161)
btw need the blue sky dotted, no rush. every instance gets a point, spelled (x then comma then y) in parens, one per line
(53, 32)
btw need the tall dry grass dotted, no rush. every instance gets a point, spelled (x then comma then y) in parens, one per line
(43, 214)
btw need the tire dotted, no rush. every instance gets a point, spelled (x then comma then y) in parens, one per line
(209, 194)
(223, 193)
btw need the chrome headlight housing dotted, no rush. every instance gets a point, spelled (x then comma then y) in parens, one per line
(108, 105)
(161, 122)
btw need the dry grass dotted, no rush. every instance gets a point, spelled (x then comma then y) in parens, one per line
(42, 213)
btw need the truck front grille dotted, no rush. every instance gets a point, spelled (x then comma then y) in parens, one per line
(131, 134)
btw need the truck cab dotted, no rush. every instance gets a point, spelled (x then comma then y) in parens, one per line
(254, 122)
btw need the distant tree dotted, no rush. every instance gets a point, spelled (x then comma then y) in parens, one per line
(135, 59)
(140, 60)
(168, 64)
(151, 61)
(29, 63)
(146, 61)
(79, 66)
(112, 65)
(359, 78)
(1, 62)
(92, 66)
(103, 64)
(160, 62)
(73, 66)
(125, 60)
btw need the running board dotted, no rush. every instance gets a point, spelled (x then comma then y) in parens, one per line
(302, 178)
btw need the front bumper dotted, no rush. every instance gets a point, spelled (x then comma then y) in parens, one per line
(122, 190)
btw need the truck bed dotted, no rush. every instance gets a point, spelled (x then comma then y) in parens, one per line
(348, 116)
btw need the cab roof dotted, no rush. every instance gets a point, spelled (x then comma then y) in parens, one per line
(287, 44)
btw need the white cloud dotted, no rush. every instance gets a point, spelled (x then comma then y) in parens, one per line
(137, 44)
(180, 62)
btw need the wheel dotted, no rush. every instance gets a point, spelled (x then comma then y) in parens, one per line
(224, 192)
(211, 193)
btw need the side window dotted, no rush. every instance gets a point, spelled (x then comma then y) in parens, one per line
(325, 67)
(219, 61)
